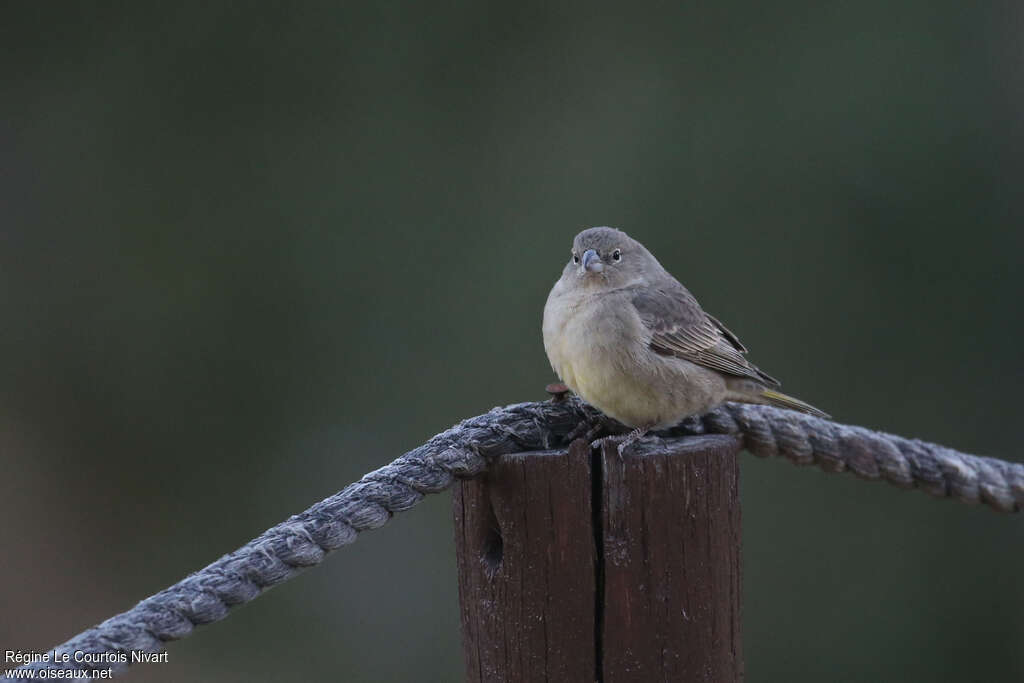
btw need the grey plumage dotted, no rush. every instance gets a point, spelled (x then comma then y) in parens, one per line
(632, 341)
(679, 327)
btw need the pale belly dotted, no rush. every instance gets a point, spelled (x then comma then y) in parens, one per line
(619, 376)
(619, 395)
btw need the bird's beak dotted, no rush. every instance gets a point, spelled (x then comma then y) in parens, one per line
(591, 262)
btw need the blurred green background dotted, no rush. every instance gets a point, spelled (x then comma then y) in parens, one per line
(237, 238)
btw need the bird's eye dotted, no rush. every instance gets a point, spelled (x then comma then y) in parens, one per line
(575, 258)
(616, 255)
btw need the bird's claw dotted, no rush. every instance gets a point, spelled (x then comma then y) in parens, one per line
(622, 442)
(591, 428)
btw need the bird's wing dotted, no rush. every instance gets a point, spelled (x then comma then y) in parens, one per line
(679, 327)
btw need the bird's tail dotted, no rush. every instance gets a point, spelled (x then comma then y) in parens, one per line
(777, 398)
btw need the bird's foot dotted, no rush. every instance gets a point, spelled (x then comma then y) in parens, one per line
(593, 427)
(623, 442)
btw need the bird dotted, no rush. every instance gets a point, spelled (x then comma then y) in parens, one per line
(629, 339)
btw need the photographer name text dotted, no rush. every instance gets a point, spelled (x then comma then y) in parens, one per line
(22, 657)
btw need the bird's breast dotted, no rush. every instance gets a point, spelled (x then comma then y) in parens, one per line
(599, 348)
(592, 347)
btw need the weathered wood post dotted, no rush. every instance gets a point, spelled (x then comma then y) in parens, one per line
(584, 566)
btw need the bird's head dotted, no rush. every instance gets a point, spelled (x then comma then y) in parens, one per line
(605, 259)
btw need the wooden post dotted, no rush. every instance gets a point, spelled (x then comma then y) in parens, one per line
(584, 566)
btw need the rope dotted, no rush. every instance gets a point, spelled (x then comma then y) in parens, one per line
(463, 451)
(834, 447)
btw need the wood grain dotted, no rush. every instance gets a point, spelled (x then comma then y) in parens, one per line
(580, 565)
(671, 560)
(526, 563)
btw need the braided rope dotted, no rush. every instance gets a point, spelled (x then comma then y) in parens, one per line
(908, 463)
(463, 451)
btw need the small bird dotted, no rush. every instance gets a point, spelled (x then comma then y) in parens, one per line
(631, 341)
